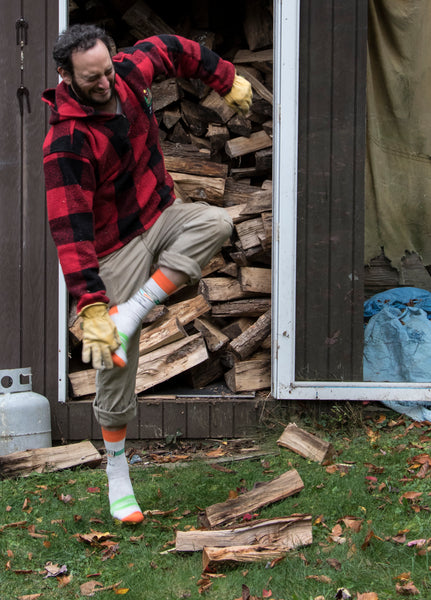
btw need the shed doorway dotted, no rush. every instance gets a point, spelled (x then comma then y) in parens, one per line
(319, 208)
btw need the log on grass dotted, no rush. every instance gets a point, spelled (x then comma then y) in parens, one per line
(212, 557)
(48, 460)
(281, 487)
(305, 444)
(281, 532)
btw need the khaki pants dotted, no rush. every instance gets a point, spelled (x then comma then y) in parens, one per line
(184, 238)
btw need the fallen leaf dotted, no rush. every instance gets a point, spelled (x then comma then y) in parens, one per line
(90, 587)
(320, 578)
(334, 563)
(370, 535)
(121, 590)
(407, 589)
(410, 496)
(266, 593)
(53, 570)
(29, 597)
(64, 580)
(353, 523)
(93, 490)
(367, 596)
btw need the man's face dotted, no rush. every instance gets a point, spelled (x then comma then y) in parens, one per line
(93, 76)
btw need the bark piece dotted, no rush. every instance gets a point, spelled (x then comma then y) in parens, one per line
(48, 460)
(304, 443)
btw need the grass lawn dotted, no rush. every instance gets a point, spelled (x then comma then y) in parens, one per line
(370, 511)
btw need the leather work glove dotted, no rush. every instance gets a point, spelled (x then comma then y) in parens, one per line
(100, 336)
(240, 96)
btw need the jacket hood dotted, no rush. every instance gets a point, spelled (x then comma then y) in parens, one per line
(65, 105)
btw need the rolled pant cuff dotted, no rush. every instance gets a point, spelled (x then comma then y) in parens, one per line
(110, 419)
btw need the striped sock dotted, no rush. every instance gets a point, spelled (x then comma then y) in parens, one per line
(122, 500)
(128, 315)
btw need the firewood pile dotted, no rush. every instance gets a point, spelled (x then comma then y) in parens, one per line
(218, 330)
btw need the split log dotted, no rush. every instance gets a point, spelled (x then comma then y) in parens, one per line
(217, 289)
(166, 362)
(281, 532)
(207, 189)
(235, 328)
(255, 83)
(255, 280)
(144, 22)
(249, 307)
(306, 444)
(205, 373)
(216, 104)
(214, 338)
(245, 145)
(250, 340)
(246, 56)
(212, 557)
(48, 460)
(195, 164)
(277, 489)
(258, 24)
(164, 94)
(251, 374)
(251, 233)
(258, 203)
(152, 338)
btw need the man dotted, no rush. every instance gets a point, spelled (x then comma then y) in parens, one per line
(113, 214)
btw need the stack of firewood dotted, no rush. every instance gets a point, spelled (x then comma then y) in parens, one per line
(219, 329)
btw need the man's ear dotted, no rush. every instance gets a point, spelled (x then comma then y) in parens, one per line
(65, 75)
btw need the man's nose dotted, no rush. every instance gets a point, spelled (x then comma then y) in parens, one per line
(103, 83)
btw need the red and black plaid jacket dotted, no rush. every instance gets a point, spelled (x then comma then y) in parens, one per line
(105, 176)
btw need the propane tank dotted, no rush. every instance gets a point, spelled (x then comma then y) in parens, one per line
(25, 417)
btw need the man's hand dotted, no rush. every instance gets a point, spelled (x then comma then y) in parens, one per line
(100, 337)
(240, 96)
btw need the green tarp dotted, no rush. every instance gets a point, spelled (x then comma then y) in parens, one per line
(398, 165)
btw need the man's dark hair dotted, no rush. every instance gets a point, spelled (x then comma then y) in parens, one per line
(77, 37)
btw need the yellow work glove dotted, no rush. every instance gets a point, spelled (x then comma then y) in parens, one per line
(100, 336)
(240, 96)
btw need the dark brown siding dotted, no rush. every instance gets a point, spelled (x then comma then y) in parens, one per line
(331, 190)
(28, 269)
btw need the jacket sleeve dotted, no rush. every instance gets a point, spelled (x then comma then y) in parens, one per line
(176, 56)
(70, 186)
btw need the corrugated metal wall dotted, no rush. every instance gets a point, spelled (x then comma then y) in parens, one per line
(28, 270)
(332, 94)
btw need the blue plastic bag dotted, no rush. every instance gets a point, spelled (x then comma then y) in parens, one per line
(397, 345)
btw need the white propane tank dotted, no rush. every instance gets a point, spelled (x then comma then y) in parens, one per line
(25, 417)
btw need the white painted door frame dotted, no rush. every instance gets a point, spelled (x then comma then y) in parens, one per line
(284, 386)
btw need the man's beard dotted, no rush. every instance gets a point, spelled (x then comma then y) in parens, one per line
(89, 99)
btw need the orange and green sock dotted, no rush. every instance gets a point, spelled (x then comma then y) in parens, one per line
(128, 316)
(122, 501)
